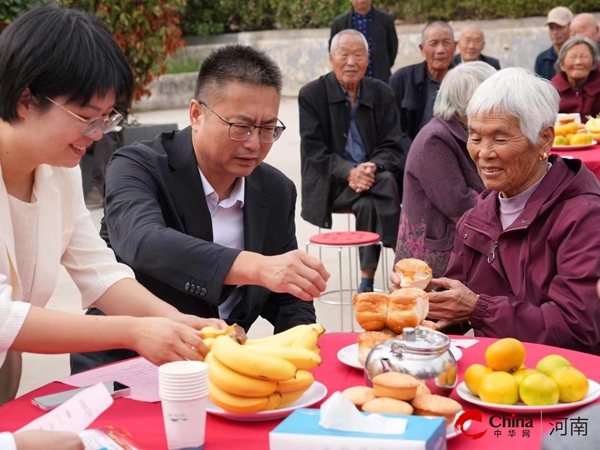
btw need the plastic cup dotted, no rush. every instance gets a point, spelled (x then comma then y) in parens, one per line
(185, 422)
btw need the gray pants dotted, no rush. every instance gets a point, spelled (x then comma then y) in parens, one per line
(376, 210)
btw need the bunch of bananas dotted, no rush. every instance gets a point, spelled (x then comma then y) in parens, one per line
(261, 374)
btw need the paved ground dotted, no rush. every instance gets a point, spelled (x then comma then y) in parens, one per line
(285, 155)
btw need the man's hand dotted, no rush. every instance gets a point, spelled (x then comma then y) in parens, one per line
(162, 340)
(454, 305)
(362, 177)
(198, 323)
(48, 440)
(296, 273)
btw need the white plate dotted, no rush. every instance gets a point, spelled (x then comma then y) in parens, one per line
(573, 147)
(593, 393)
(349, 355)
(313, 395)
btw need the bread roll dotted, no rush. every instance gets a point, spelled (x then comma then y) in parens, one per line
(359, 395)
(371, 310)
(400, 386)
(436, 405)
(407, 308)
(386, 405)
(413, 273)
(368, 340)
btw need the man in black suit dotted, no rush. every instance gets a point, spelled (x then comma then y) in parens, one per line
(415, 87)
(470, 45)
(380, 31)
(205, 224)
(351, 154)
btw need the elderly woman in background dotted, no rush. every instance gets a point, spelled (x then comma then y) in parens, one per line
(526, 259)
(440, 179)
(578, 77)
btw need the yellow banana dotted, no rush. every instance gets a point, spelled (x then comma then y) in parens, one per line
(317, 349)
(287, 398)
(301, 358)
(274, 401)
(309, 338)
(235, 383)
(235, 403)
(302, 380)
(254, 364)
(283, 339)
(233, 331)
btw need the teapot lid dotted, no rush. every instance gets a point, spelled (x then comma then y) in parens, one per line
(422, 340)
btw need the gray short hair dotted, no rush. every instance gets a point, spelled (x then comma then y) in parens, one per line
(517, 92)
(570, 43)
(236, 63)
(336, 39)
(458, 87)
(437, 23)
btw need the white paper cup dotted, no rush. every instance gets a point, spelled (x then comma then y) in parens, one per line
(198, 382)
(185, 423)
(181, 369)
(182, 395)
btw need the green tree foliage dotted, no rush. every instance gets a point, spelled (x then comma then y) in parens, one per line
(203, 17)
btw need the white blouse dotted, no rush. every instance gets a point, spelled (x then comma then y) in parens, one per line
(25, 228)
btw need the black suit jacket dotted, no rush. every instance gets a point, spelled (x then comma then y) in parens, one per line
(324, 124)
(486, 59)
(157, 221)
(384, 40)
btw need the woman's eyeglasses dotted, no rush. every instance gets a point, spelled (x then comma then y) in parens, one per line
(105, 123)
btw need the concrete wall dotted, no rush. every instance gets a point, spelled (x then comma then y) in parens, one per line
(303, 56)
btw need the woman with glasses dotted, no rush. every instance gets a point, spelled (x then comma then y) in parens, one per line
(61, 74)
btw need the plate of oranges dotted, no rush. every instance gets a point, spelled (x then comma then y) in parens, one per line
(506, 384)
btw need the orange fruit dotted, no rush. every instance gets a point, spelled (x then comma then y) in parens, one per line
(572, 384)
(500, 388)
(539, 390)
(521, 374)
(550, 362)
(506, 354)
(473, 376)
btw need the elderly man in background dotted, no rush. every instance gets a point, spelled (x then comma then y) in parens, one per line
(380, 32)
(526, 259)
(415, 87)
(558, 22)
(470, 45)
(350, 148)
(585, 24)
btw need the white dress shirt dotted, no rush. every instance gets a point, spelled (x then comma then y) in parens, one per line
(228, 227)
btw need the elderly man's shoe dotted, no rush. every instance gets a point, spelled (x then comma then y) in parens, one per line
(94, 200)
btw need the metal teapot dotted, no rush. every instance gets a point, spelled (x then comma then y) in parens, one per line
(420, 352)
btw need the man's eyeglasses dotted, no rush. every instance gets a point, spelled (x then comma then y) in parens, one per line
(242, 132)
(106, 124)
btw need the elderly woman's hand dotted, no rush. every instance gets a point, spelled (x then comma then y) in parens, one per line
(395, 280)
(454, 305)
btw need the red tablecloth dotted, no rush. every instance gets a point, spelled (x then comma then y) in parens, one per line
(590, 157)
(144, 420)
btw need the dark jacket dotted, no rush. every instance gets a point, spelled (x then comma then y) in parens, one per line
(324, 124)
(384, 40)
(440, 183)
(544, 63)
(537, 279)
(486, 59)
(410, 90)
(158, 223)
(584, 100)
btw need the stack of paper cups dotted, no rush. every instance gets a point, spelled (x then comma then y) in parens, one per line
(183, 390)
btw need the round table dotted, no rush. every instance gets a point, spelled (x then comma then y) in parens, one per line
(590, 157)
(144, 420)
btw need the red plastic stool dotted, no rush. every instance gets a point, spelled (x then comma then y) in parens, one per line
(347, 240)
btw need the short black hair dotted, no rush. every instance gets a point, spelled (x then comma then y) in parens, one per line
(236, 63)
(56, 51)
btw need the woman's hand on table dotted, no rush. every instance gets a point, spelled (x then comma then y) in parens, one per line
(455, 304)
(161, 340)
(48, 440)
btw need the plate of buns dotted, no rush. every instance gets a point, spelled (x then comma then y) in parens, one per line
(400, 393)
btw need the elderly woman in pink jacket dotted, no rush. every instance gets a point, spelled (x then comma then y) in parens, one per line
(526, 259)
